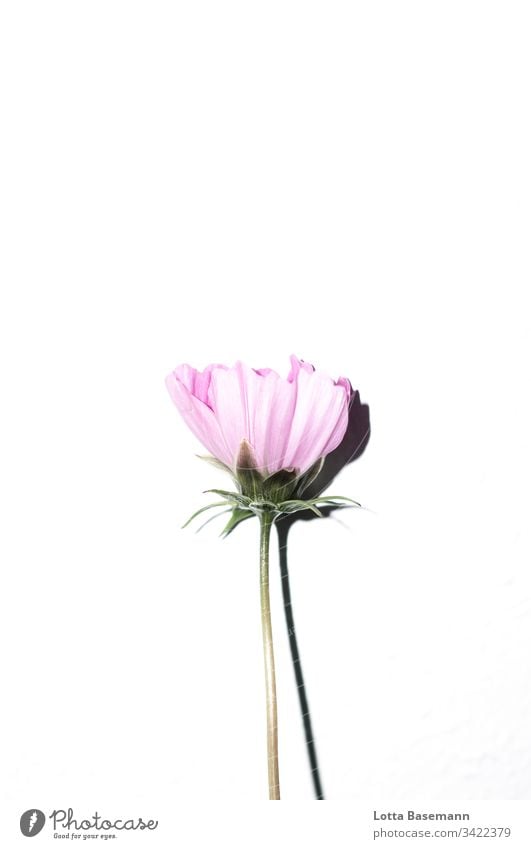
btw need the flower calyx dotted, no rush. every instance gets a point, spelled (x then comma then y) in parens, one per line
(278, 494)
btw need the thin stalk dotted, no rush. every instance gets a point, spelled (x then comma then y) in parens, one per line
(266, 521)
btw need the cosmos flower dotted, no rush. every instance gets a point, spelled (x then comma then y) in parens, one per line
(255, 418)
(273, 435)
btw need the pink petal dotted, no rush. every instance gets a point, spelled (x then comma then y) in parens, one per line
(289, 423)
(197, 414)
(257, 407)
(345, 382)
(264, 371)
(197, 382)
(319, 421)
(272, 404)
(297, 366)
(228, 399)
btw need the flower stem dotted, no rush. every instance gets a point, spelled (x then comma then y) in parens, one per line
(266, 521)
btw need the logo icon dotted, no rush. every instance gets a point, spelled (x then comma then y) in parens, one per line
(31, 822)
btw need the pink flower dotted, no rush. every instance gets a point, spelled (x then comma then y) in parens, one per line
(287, 423)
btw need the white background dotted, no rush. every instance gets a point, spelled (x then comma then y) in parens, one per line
(203, 182)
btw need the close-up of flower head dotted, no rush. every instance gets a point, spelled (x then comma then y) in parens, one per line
(254, 420)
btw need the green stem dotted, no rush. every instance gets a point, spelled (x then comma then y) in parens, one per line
(266, 521)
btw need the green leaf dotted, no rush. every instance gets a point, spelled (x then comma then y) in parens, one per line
(331, 498)
(202, 510)
(215, 516)
(298, 504)
(233, 497)
(238, 516)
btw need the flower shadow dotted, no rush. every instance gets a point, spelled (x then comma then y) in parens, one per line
(350, 449)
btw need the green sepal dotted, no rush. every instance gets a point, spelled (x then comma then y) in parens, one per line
(232, 497)
(280, 486)
(261, 505)
(202, 510)
(298, 504)
(258, 494)
(238, 515)
(247, 474)
(308, 477)
(333, 498)
(211, 519)
(243, 507)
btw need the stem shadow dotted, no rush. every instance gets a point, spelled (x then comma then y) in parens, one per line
(352, 446)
